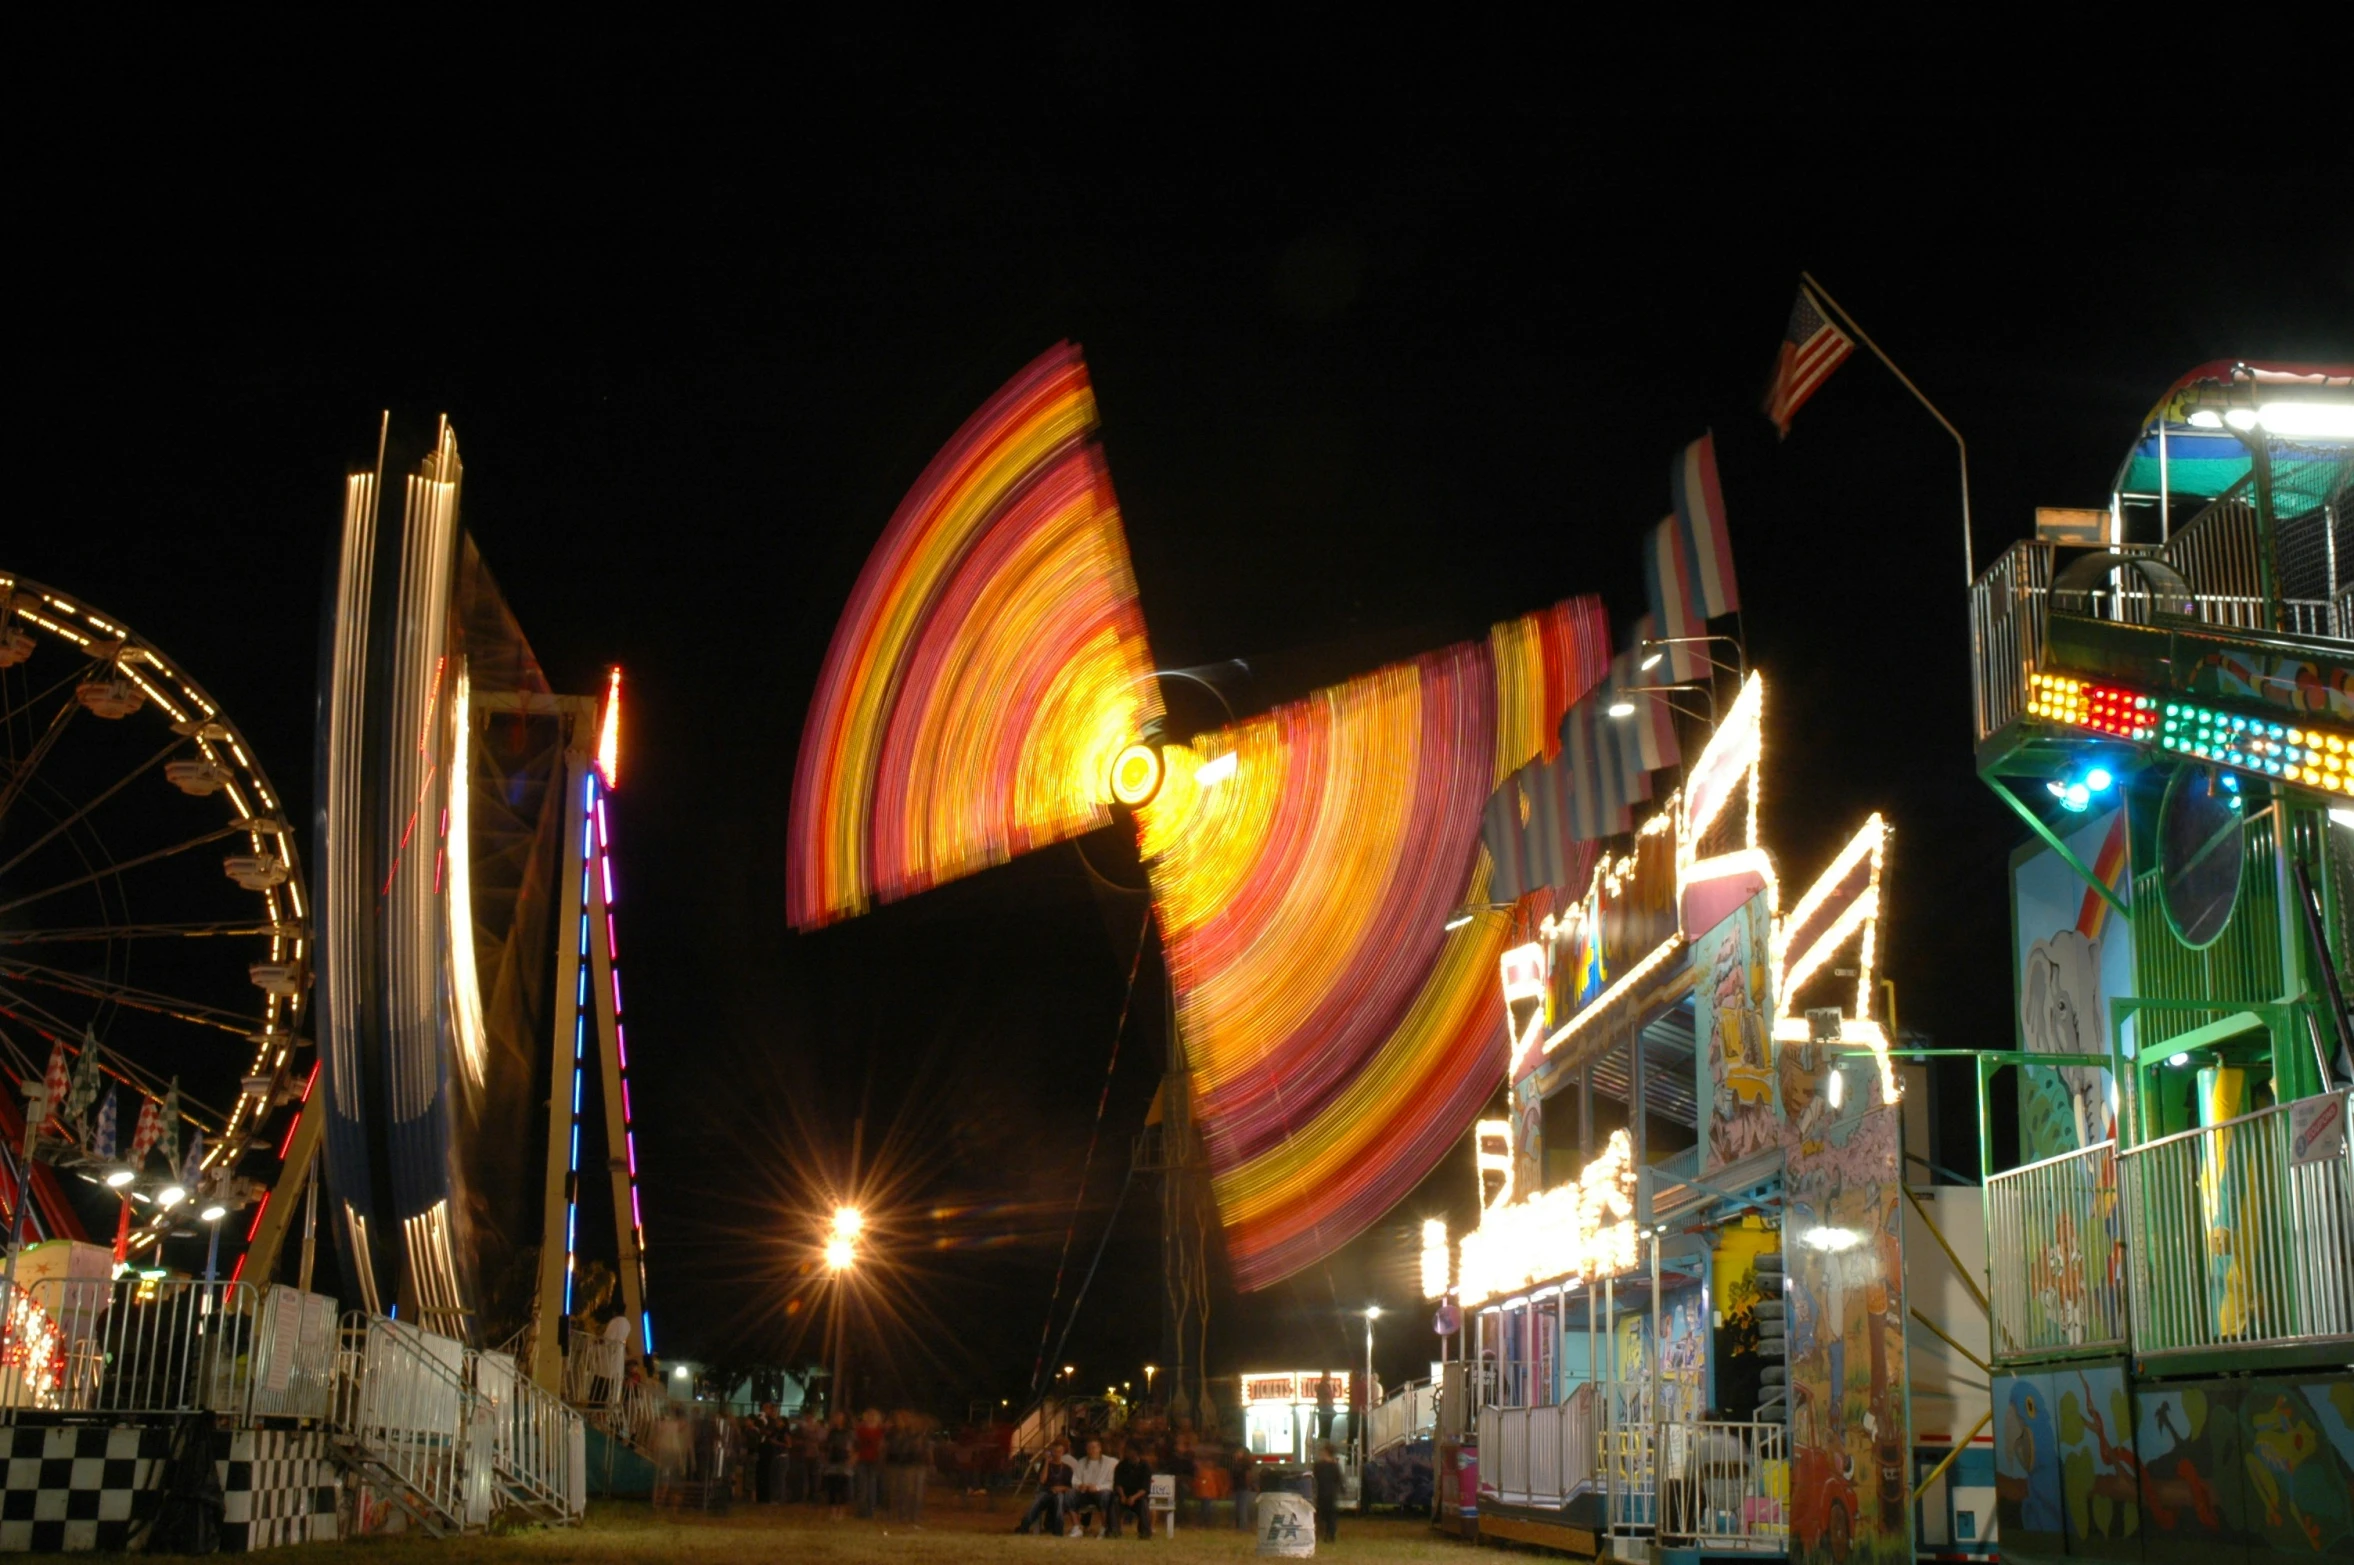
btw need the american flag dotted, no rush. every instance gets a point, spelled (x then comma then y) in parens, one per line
(1811, 349)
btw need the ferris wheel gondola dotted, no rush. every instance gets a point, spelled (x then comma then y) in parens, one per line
(152, 918)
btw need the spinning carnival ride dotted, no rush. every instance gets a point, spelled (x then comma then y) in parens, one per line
(154, 933)
(471, 1022)
(989, 690)
(468, 1013)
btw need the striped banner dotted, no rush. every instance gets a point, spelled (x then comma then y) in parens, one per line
(1700, 513)
(1675, 609)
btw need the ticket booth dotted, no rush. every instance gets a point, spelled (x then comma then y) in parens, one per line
(1286, 1413)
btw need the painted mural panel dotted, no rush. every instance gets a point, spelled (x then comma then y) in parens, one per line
(1845, 1257)
(2297, 1445)
(1684, 1330)
(2075, 955)
(2188, 1441)
(2029, 1502)
(2100, 1479)
(1732, 1002)
(2257, 1468)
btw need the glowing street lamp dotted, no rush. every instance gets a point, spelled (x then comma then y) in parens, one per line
(841, 1254)
(1150, 1370)
(849, 1222)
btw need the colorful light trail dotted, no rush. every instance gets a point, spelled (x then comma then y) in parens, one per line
(990, 665)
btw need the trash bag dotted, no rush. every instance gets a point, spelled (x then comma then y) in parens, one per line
(1286, 1525)
(189, 1519)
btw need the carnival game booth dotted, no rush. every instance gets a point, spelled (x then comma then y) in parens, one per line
(2165, 698)
(1699, 1339)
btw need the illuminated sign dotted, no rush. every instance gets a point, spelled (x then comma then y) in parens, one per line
(1436, 1261)
(1579, 1230)
(1492, 1154)
(1299, 1385)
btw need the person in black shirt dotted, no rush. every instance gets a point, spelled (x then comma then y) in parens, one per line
(1054, 1492)
(1131, 1493)
(1327, 1494)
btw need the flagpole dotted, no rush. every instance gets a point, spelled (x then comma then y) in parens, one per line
(1969, 557)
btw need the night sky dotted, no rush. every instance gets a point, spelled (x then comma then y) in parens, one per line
(1365, 388)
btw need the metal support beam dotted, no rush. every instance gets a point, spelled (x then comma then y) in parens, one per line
(547, 1311)
(630, 1265)
(1953, 1455)
(277, 1219)
(1960, 1270)
(2058, 844)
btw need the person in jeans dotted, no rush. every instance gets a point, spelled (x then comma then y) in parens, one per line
(1091, 1487)
(1054, 1489)
(1243, 1473)
(1131, 1492)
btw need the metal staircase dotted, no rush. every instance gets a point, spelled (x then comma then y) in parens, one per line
(450, 1435)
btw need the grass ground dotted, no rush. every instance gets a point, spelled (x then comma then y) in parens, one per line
(625, 1533)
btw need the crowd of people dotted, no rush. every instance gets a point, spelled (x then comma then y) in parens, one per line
(1100, 1482)
(873, 1465)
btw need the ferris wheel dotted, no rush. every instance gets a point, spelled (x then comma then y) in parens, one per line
(152, 925)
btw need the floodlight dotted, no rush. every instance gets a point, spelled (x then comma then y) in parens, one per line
(2309, 420)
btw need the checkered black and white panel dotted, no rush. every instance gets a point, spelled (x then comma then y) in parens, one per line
(74, 1489)
(278, 1486)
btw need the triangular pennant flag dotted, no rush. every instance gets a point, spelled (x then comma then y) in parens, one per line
(143, 1134)
(192, 1171)
(102, 1135)
(56, 1080)
(168, 1131)
(88, 1078)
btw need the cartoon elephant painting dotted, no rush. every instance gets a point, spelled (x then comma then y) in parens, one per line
(2060, 1012)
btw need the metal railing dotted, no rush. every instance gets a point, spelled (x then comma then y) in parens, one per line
(2221, 553)
(1407, 1413)
(2058, 1226)
(139, 1346)
(403, 1400)
(2007, 608)
(1627, 1455)
(2244, 1231)
(534, 1438)
(1538, 1455)
(1724, 1485)
(594, 1367)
